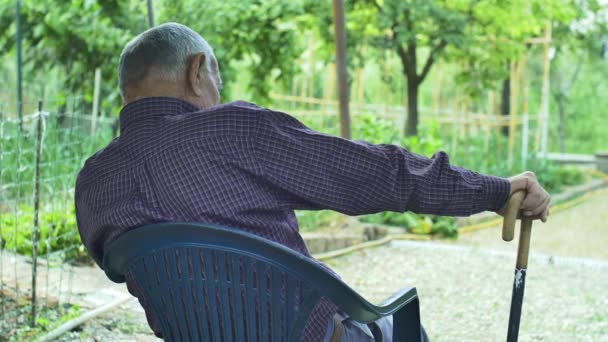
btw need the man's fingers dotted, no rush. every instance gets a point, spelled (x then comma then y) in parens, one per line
(536, 200)
(545, 214)
(541, 208)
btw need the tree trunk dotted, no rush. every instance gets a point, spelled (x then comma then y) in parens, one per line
(505, 102)
(341, 69)
(411, 127)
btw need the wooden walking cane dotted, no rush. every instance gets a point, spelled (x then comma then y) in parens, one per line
(508, 230)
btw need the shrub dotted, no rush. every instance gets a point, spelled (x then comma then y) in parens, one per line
(311, 220)
(443, 226)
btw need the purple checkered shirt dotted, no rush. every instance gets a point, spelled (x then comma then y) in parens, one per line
(247, 167)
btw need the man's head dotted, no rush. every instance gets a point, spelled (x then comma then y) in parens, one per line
(169, 60)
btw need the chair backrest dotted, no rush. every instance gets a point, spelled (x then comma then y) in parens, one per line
(208, 282)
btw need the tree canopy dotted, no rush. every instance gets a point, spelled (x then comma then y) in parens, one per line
(267, 37)
(482, 35)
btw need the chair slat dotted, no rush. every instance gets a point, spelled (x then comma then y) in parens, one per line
(263, 300)
(199, 295)
(188, 283)
(308, 298)
(290, 306)
(139, 272)
(251, 293)
(175, 287)
(237, 297)
(210, 283)
(224, 298)
(158, 264)
(276, 317)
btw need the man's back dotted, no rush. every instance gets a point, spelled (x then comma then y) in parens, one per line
(174, 162)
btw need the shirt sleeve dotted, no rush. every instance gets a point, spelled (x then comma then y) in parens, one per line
(312, 170)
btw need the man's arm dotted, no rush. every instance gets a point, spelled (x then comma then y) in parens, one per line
(312, 170)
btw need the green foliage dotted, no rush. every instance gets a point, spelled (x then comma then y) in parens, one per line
(58, 233)
(313, 220)
(48, 318)
(585, 105)
(63, 151)
(75, 37)
(488, 157)
(377, 130)
(442, 226)
(78, 36)
(264, 33)
(554, 177)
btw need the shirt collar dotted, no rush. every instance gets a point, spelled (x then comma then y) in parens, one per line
(148, 107)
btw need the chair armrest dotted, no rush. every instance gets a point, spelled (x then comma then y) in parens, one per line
(400, 298)
(391, 306)
(406, 320)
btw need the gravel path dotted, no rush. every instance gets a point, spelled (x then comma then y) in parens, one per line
(581, 231)
(465, 291)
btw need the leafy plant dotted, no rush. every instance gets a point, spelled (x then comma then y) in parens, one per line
(48, 318)
(416, 223)
(58, 233)
(312, 220)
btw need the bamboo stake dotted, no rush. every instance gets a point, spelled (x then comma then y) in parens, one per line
(19, 66)
(387, 73)
(329, 89)
(514, 107)
(543, 122)
(437, 91)
(293, 92)
(95, 109)
(487, 125)
(311, 69)
(36, 212)
(455, 132)
(151, 22)
(359, 83)
(524, 109)
(304, 90)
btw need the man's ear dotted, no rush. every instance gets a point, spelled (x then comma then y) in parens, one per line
(196, 70)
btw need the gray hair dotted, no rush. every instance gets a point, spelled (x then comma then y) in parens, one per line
(167, 49)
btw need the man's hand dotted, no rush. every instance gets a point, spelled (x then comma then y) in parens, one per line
(536, 202)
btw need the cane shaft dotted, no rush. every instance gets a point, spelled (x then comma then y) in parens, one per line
(523, 248)
(517, 299)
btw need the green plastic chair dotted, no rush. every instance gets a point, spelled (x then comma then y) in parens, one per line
(178, 266)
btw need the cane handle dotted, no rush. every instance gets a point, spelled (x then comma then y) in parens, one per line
(513, 205)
